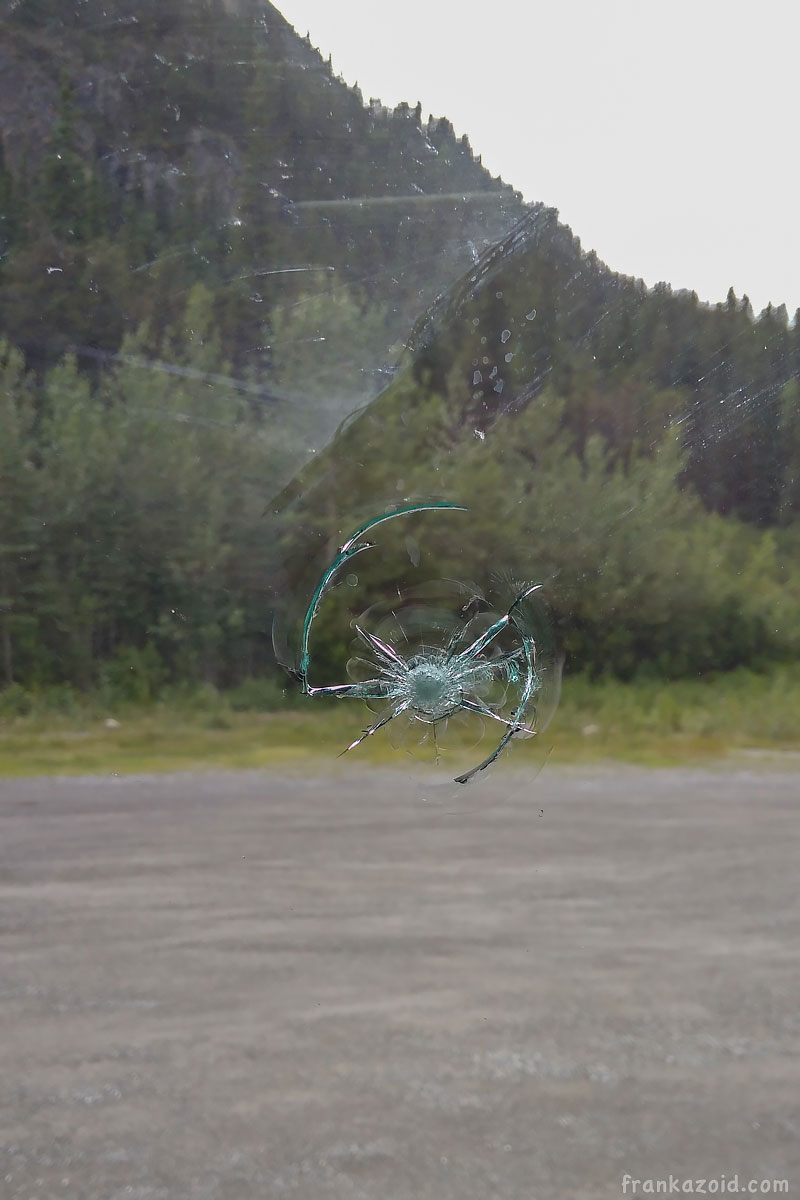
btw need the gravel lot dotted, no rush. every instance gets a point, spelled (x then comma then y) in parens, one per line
(246, 985)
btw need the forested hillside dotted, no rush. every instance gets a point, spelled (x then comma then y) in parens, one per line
(147, 147)
(212, 250)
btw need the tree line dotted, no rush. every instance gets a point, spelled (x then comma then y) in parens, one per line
(139, 548)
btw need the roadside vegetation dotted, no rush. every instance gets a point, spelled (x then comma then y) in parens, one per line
(716, 718)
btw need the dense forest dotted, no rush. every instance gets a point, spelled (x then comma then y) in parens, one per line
(212, 251)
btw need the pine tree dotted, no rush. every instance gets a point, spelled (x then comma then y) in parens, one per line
(10, 207)
(61, 189)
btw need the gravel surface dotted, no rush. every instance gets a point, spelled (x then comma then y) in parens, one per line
(249, 985)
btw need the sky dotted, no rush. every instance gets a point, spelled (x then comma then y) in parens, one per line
(666, 134)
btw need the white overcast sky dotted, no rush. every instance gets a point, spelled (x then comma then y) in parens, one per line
(667, 134)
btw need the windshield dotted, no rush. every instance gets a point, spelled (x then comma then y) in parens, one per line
(399, 600)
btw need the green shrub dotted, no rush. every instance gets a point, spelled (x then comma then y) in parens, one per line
(134, 676)
(14, 702)
(258, 695)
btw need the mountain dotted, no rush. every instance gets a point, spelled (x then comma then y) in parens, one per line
(223, 274)
(146, 147)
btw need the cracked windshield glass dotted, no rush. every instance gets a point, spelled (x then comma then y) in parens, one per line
(400, 569)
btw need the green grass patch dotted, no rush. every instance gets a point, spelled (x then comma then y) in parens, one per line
(646, 722)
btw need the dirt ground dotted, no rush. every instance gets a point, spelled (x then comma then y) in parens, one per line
(246, 985)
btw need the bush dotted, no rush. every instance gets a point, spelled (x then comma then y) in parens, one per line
(14, 702)
(134, 676)
(258, 695)
(58, 698)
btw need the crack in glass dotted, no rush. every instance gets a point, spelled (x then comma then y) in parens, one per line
(439, 660)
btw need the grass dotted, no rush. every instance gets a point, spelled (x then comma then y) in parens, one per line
(651, 723)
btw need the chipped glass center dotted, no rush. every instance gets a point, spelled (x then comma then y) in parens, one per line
(432, 690)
